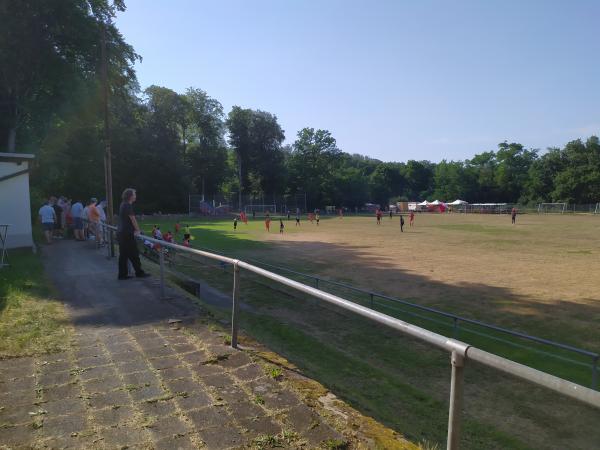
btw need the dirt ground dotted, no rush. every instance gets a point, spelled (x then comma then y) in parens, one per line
(528, 276)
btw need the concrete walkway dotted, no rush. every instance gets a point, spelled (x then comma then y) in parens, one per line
(133, 380)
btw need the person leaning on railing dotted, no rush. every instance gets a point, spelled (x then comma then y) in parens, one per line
(127, 230)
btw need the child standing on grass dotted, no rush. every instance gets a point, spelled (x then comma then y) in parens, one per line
(401, 223)
(281, 226)
(235, 223)
(412, 218)
(513, 215)
(268, 223)
(318, 217)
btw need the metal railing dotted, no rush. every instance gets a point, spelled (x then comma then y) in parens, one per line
(456, 320)
(460, 352)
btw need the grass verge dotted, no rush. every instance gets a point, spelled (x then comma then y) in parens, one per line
(32, 321)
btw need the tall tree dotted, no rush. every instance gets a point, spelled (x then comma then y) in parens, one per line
(312, 162)
(45, 49)
(511, 175)
(206, 154)
(256, 138)
(579, 181)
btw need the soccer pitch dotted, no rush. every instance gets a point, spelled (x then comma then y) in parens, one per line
(536, 277)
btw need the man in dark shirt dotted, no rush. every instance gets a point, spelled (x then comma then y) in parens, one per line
(127, 230)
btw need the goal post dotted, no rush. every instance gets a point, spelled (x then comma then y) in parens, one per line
(552, 208)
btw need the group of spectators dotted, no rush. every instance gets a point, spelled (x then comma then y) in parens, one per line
(61, 218)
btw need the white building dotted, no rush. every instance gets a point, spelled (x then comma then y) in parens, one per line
(14, 198)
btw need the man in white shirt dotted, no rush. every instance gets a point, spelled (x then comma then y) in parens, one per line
(48, 218)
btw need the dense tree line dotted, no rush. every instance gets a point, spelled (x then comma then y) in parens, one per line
(168, 144)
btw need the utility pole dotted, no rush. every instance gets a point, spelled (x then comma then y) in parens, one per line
(107, 150)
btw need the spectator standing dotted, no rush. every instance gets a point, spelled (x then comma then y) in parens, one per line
(48, 219)
(94, 218)
(76, 213)
(65, 204)
(58, 222)
(69, 225)
(100, 207)
(85, 217)
(128, 229)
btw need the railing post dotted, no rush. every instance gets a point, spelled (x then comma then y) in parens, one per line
(456, 400)
(595, 373)
(235, 305)
(161, 258)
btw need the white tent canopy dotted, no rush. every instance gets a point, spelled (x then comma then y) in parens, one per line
(435, 203)
(424, 203)
(458, 202)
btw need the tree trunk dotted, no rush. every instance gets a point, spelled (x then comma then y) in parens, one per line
(12, 139)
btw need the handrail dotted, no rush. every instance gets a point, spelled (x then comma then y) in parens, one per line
(436, 311)
(460, 351)
(519, 334)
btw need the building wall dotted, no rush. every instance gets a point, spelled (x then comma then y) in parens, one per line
(14, 204)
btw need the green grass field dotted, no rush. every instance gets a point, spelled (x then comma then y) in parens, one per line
(534, 277)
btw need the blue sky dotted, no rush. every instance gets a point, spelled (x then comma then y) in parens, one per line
(394, 80)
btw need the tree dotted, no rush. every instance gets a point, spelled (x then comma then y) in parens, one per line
(206, 154)
(267, 157)
(483, 169)
(256, 138)
(513, 162)
(312, 163)
(579, 181)
(46, 48)
(541, 177)
(385, 182)
(419, 176)
(450, 181)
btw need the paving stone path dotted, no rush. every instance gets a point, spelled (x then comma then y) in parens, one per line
(133, 380)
